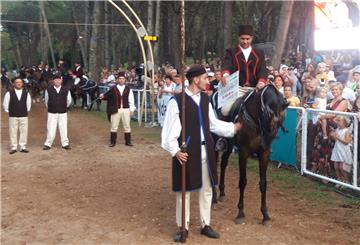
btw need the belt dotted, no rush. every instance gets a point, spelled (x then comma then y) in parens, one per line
(203, 143)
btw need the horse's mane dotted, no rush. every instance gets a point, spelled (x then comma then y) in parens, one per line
(269, 100)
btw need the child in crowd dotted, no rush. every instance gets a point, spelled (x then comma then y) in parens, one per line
(320, 103)
(290, 98)
(341, 153)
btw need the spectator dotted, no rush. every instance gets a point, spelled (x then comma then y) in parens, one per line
(321, 75)
(169, 86)
(319, 103)
(341, 154)
(290, 98)
(215, 83)
(352, 84)
(310, 93)
(279, 82)
(337, 104)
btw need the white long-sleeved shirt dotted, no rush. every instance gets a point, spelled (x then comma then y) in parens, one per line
(246, 52)
(172, 125)
(131, 97)
(18, 93)
(68, 98)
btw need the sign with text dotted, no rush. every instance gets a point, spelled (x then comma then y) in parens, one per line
(151, 38)
(229, 92)
(162, 105)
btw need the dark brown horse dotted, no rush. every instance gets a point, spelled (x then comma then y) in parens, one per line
(261, 114)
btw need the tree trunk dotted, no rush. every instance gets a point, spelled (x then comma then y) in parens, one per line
(220, 37)
(228, 13)
(80, 38)
(93, 65)
(46, 27)
(157, 33)
(87, 34)
(114, 60)
(107, 36)
(282, 31)
(43, 45)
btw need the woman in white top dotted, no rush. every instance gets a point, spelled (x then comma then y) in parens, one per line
(169, 86)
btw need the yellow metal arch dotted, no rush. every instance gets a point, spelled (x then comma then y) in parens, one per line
(152, 61)
(142, 51)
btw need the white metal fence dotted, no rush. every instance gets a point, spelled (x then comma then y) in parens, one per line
(305, 151)
(138, 94)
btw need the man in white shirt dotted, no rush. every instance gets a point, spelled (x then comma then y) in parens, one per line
(120, 107)
(57, 101)
(200, 155)
(17, 102)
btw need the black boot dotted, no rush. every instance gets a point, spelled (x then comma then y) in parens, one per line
(128, 139)
(113, 136)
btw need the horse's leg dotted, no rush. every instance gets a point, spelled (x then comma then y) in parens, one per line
(224, 162)
(214, 197)
(263, 163)
(98, 103)
(243, 156)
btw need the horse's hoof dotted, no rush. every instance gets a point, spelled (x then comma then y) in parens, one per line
(240, 220)
(213, 206)
(222, 198)
(266, 222)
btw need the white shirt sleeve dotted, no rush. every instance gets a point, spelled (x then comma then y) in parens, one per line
(171, 129)
(6, 102)
(28, 102)
(131, 101)
(221, 128)
(46, 98)
(68, 99)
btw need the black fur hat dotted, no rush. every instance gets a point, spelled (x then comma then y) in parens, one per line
(246, 30)
(194, 71)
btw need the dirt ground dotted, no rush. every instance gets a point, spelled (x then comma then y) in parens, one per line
(94, 194)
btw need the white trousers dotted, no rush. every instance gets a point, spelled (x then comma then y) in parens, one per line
(225, 110)
(205, 197)
(57, 120)
(122, 115)
(18, 124)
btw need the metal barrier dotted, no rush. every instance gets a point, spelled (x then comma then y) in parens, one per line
(304, 156)
(137, 97)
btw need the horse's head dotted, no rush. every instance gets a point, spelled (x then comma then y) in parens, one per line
(273, 108)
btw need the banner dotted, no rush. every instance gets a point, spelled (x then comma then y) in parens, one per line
(229, 92)
(283, 148)
(162, 105)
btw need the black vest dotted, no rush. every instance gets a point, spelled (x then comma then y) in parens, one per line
(57, 101)
(18, 108)
(196, 116)
(114, 99)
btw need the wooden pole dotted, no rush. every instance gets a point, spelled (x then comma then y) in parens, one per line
(183, 124)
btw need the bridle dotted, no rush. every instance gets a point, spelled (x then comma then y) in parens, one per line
(256, 124)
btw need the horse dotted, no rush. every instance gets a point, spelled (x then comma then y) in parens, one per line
(261, 113)
(88, 91)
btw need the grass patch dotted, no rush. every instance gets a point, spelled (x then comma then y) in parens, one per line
(291, 181)
(286, 180)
